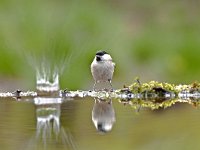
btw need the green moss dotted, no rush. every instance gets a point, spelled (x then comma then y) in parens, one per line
(160, 88)
(156, 94)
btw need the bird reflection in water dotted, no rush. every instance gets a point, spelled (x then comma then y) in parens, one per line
(103, 115)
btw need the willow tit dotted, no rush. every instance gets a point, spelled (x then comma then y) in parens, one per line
(102, 68)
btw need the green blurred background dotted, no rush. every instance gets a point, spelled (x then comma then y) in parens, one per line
(154, 40)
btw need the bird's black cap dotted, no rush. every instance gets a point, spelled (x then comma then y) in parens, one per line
(101, 53)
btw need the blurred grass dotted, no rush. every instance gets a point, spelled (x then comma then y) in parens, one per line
(155, 40)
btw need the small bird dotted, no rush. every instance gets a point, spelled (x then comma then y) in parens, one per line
(102, 68)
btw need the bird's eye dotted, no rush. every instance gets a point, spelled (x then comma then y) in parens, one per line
(98, 58)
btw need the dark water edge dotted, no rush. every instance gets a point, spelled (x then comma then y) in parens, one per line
(70, 126)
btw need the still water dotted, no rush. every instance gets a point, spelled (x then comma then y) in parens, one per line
(88, 124)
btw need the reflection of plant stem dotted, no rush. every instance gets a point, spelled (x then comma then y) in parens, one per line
(67, 138)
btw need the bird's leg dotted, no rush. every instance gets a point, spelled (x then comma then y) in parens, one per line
(94, 85)
(96, 100)
(110, 84)
(110, 101)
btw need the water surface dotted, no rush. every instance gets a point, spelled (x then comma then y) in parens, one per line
(69, 125)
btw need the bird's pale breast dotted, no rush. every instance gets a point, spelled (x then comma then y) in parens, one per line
(102, 71)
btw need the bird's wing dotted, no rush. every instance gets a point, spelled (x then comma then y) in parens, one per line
(114, 64)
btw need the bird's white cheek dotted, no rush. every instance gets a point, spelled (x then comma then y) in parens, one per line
(94, 61)
(106, 57)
